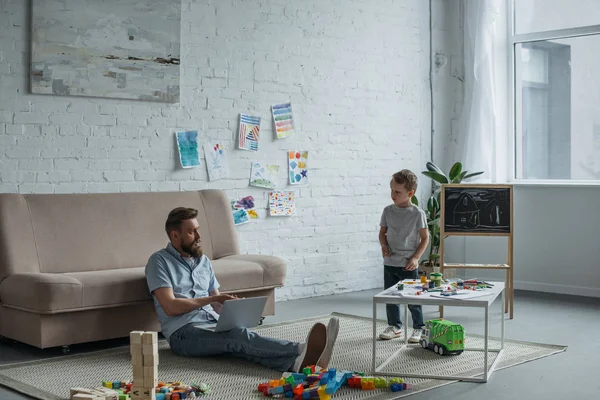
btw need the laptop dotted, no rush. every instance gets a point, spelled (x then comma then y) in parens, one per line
(237, 313)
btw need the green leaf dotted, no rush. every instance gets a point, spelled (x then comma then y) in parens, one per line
(460, 177)
(433, 168)
(455, 171)
(440, 178)
(433, 221)
(415, 201)
(473, 174)
(434, 256)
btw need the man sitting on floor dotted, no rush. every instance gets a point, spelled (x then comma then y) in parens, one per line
(184, 289)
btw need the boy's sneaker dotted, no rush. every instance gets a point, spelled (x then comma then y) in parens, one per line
(391, 332)
(416, 336)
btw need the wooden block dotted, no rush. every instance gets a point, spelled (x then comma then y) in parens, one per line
(84, 396)
(137, 390)
(151, 359)
(150, 382)
(150, 349)
(136, 349)
(135, 337)
(138, 375)
(106, 394)
(81, 390)
(150, 338)
(138, 358)
(151, 372)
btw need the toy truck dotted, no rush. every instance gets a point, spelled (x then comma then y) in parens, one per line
(443, 337)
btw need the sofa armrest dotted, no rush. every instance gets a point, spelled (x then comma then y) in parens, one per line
(40, 292)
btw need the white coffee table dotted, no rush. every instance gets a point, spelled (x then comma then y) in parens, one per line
(387, 297)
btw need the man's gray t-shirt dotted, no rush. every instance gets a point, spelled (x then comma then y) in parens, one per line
(403, 225)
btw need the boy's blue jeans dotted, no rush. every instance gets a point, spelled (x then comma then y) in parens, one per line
(194, 341)
(391, 276)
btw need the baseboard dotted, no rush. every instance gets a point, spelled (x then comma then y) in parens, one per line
(558, 289)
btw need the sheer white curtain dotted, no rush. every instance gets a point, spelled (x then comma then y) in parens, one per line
(484, 136)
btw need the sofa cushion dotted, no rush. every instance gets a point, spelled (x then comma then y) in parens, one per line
(51, 293)
(249, 271)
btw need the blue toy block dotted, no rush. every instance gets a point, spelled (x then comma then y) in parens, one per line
(331, 373)
(306, 395)
(160, 396)
(397, 387)
(298, 377)
(116, 385)
(289, 394)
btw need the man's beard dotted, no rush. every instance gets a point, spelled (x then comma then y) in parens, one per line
(194, 249)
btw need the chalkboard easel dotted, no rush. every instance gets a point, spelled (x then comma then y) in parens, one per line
(479, 210)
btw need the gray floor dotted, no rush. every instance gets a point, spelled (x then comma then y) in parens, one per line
(572, 321)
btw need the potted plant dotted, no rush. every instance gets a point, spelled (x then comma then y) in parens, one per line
(455, 175)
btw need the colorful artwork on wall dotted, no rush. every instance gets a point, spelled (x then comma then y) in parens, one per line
(283, 120)
(297, 161)
(216, 161)
(249, 132)
(281, 204)
(263, 174)
(243, 210)
(187, 144)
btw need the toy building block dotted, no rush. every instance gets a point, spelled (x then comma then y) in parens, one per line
(396, 387)
(84, 396)
(367, 383)
(150, 359)
(81, 390)
(395, 380)
(380, 382)
(354, 382)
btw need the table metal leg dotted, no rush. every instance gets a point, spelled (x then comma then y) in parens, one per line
(374, 336)
(486, 344)
(406, 323)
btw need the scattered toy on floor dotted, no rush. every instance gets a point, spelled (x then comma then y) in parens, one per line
(443, 337)
(322, 384)
(145, 384)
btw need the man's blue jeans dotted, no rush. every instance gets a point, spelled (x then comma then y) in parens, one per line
(192, 340)
(391, 276)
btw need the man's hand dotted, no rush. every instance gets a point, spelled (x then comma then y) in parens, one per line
(412, 264)
(223, 297)
(385, 250)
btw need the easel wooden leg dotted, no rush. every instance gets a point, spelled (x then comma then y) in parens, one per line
(507, 288)
(512, 294)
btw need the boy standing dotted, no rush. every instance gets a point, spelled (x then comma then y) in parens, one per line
(403, 237)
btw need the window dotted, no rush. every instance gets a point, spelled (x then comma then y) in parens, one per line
(556, 89)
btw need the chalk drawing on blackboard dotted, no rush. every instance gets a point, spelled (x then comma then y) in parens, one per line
(477, 210)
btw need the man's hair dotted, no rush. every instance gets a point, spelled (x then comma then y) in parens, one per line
(407, 178)
(177, 216)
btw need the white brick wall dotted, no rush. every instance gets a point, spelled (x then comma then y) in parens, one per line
(356, 72)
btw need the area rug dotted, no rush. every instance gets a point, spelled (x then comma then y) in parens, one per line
(237, 379)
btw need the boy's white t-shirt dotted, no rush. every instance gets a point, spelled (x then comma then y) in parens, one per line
(403, 225)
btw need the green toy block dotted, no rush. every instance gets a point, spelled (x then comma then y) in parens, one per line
(391, 381)
(380, 382)
(290, 380)
(358, 373)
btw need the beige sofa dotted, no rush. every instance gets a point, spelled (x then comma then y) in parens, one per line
(72, 265)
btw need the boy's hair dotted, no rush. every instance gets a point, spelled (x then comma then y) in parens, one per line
(407, 178)
(177, 216)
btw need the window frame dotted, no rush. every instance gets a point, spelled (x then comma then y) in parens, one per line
(515, 144)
